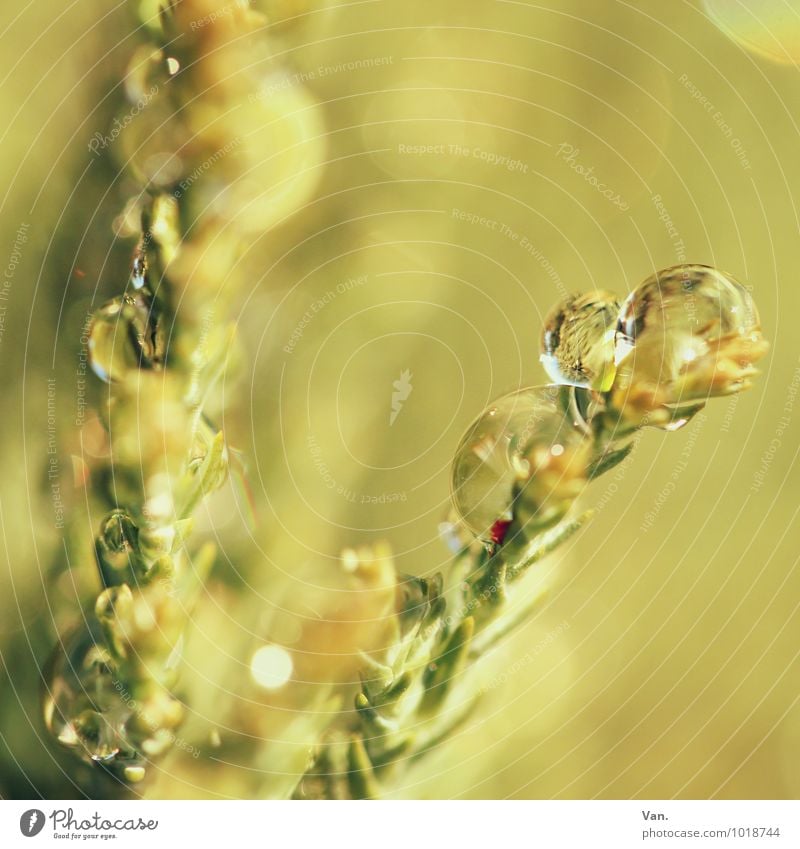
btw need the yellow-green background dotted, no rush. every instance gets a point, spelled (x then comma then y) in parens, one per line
(665, 660)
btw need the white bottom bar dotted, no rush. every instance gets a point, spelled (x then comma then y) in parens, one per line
(402, 825)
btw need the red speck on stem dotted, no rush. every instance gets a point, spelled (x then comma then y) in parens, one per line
(497, 532)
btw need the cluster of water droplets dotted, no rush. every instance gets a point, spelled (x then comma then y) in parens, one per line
(86, 707)
(685, 334)
(90, 704)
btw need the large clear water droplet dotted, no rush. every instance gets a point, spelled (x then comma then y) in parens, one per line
(126, 334)
(525, 437)
(691, 331)
(578, 340)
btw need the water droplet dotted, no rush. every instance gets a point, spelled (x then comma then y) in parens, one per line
(524, 453)
(96, 735)
(675, 424)
(126, 334)
(578, 340)
(118, 531)
(116, 543)
(85, 707)
(687, 333)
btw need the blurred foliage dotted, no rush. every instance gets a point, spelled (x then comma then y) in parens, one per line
(475, 162)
